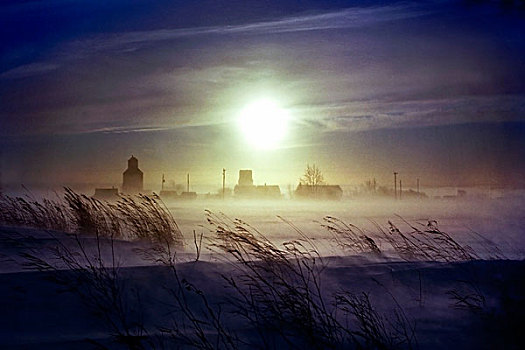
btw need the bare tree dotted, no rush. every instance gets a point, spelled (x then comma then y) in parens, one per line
(312, 176)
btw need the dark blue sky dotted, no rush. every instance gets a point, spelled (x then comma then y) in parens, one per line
(433, 89)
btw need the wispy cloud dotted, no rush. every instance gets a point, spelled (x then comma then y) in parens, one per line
(28, 70)
(125, 130)
(367, 115)
(346, 18)
(146, 126)
(126, 42)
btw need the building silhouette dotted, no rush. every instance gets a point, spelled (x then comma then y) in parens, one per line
(132, 178)
(245, 178)
(107, 194)
(246, 189)
(331, 192)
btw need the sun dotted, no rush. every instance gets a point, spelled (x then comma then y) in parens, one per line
(263, 123)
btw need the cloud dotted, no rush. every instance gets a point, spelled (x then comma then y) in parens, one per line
(377, 114)
(28, 70)
(346, 18)
(125, 130)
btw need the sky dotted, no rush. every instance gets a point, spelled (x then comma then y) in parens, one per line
(431, 89)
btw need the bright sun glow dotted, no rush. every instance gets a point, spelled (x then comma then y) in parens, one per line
(264, 123)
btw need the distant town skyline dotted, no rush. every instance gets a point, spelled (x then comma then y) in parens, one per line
(433, 90)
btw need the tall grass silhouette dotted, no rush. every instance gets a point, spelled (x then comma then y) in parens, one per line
(277, 289)
(138, 217)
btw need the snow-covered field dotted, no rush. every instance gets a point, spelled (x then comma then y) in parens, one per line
(500, 220)
(123, 296)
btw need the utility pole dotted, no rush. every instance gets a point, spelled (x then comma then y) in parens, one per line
(188, 183)
(223, 181)
(400, 189)
(395, 185)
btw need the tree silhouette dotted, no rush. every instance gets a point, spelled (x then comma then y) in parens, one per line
(312, 176)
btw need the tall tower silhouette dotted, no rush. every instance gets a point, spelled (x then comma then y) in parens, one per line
(245, 178)
(132, 178)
